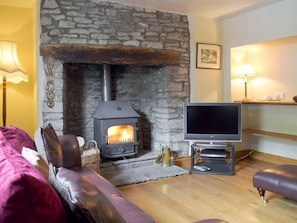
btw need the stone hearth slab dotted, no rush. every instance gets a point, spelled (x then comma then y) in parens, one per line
(128, 176)
(138, 170)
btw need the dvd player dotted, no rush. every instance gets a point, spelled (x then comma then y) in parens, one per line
(213, 153)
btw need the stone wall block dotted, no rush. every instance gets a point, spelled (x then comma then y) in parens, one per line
(51, 4)
(66, 24)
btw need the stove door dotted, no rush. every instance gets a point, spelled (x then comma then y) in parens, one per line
(116, 137)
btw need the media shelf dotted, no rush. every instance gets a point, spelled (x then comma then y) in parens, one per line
(216, 158)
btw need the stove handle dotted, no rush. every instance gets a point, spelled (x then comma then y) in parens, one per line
(122, 149)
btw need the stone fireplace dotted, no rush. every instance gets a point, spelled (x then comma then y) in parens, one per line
(149, 55)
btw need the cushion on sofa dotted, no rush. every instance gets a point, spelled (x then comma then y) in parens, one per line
(71, 152)
(36, 160)
(82, 196)
(17, 138)
(48, 145)
(26, 196)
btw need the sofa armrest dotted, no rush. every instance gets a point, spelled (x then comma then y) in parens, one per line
(70, 151)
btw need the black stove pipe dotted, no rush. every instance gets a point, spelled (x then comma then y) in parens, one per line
(106, 82)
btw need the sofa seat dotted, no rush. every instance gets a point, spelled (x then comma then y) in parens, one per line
(105, 186)
(112, 199)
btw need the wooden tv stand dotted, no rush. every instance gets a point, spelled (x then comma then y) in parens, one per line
(218, 158)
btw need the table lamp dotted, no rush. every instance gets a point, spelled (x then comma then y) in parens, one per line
(244, 71)
(11, 69)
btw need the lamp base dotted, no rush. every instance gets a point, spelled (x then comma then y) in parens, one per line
(4, 101)
(246, 99)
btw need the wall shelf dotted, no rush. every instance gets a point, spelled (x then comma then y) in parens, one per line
(269, 102)
(275, 135)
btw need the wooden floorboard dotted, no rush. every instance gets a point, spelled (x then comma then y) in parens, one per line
(194, 197)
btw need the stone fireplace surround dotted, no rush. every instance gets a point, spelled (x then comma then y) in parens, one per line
(156, 91)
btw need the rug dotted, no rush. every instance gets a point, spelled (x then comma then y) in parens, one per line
(127, 176)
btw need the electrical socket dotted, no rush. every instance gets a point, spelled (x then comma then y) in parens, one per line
(280, 95)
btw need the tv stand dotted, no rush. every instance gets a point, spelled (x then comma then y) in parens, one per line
(212, 158)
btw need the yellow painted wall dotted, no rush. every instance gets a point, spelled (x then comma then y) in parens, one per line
(19, 25)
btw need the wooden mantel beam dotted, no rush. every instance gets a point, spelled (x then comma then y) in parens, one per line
(113, 55)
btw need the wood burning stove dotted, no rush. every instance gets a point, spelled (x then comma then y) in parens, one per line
(115, 129)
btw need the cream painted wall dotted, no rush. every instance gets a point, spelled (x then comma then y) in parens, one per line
(205, 83)
(272, 22)
(274, 63)
(265, 37)
(18, 25)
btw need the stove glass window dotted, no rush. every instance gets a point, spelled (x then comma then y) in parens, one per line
(120, 134)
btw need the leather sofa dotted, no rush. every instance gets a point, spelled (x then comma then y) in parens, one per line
(86, 195)
(280, 179)
(51, 186)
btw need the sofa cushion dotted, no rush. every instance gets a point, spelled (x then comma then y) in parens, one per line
(71, 152)
(36, 160)
(83, 197)
(48, 145)
(17, 138)
(25, 193)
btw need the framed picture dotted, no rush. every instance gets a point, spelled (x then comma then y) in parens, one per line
(208, 56)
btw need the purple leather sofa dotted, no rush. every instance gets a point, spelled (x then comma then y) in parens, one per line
(86, 195)
(71, 193)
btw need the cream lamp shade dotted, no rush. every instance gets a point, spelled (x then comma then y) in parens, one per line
(11, 70)
(245, 70)
(10, 66)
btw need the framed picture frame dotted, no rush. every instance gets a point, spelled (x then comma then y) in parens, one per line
(208, 56)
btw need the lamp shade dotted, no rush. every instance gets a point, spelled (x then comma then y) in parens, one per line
(245, 70)
(10, 66)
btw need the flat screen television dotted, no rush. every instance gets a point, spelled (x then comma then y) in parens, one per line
(212, 122)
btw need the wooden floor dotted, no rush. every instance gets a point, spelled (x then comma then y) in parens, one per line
(194, 197)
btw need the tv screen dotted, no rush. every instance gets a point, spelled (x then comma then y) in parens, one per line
(212, 122)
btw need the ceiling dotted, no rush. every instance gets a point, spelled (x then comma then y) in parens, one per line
(205, 8)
